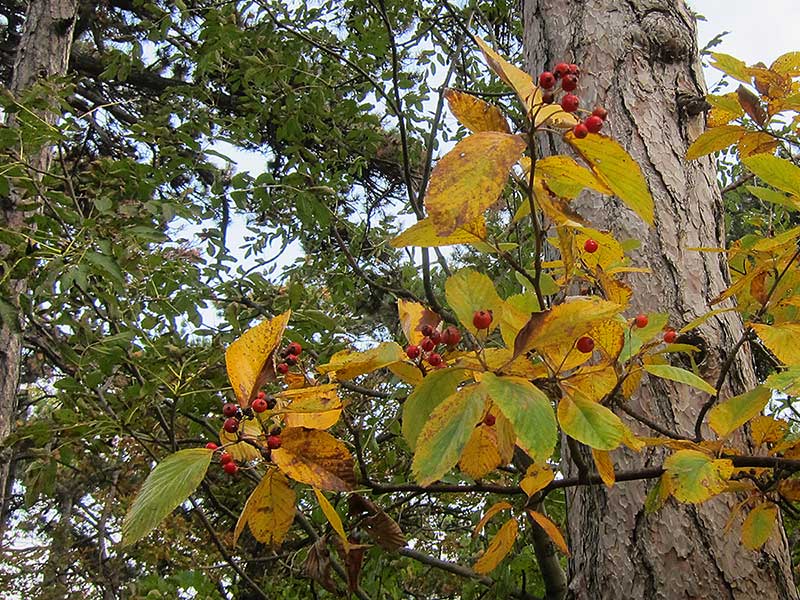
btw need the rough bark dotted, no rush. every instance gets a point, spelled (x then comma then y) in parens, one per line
(42, 52)
(637, 57)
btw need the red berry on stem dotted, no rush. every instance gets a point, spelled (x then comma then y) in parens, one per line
(580, 131)
(585, 344)
(412, 352)
(570, 103)
(229, 409)
(547, 80)
(262, 394)
(601, 112)
(482, 319)
(489, 420)
(561, 69)
(282, 368)
(291, 359)
(436, 336)
(273, 442)
(548, 98)
(434, 359)
(574, 69)
(231, 424)
(225, 458)
(451, 336)
(260, 405)
(594, 124)
(211, 446)
(569, 83)
(427, 330)
(230, 468)
(670, 335)
(427, 344)
(294, 348)
(640, 321)
(591, 245)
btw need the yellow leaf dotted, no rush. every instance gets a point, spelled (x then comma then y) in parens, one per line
(787, 64)
(315, 407)
(481, 455)
(756, 142)
(732, 66)
(728, 416)
(499, 547)
(249, 359)
(348, 364)
(269, 511)
(468, 291)
(781, 340)
(605, 466)
(316, 458)
(715, 139)
(696, 477)
(492, 511)
(790, 489)
(759, 525)
(594, 382)
(514, 77)
(515, 313)
(768, 430)
(244, 451)
(614, 290)
(475, 114)
(413, 316)
(615, 167)
(406, 372)
(551, 529)
(537, 477)
(423, 235)
(333, 518)
(470, 178)
(608, 336)
(566, 178)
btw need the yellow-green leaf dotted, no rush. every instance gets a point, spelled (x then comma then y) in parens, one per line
(590, 423)
(312, 399)
(615, 168)
(243, 451)
(774, 196)
(728, 416)
(468, 291)
(348, 364)
(781, 340)
(787, 64)
(315, 457)
(759, 525)
(566, 178)
(446, 432)
(681, 376)
(249, 359)
(714, 139)
(475, 114)
(491, 511)
(777, 172)
(166, 487)
(785, 382)
(333, 517)
(499, 547)
(551, 529)
(423, 235)
(269, 511)
(470, 178)
(417, 408)
(732, 66)
(529, 411)
(695, 477)
(514, 77)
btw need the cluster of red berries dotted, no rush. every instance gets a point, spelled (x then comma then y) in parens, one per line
(290, 356)
(568, 74)
(225, 459)
(427, 346)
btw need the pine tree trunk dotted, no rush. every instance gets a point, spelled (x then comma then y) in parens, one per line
(43, 52)
(637, 57)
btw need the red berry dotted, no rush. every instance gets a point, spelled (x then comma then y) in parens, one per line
(569, 83)
(548, 98)
(591, 245)
(262, 394)
(570, 103)
(670, 335)
(229, 409)
(574, 70)
(294, 348)
(436, 336)
(260, 405)
(282, 368)
(640, 321)
(434, 359)
(451, 336)
(273, 442)
(580, 131)
(427, 330)
(489, 420)
(547, 80)
(601, 112)
(211, 446)
(412, 352)
(594, 124)
(231, 424)
(230, 468)
(482, 319)
(427, 344)
(225, 458)
(585, 344)
(561, 69)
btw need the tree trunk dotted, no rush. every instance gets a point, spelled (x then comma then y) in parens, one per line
(43, 52)
(636, 58)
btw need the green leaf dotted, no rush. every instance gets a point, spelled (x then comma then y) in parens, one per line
(167, 486)
(436, 386)
(681, 376)
(468, 291)
(786, 382)
(777, 172)
(446, 432)
(590, 423)
(695, 477)
(775, 197)
(714, 139)
(529, 411)
(759, 525)
(615, 168)
(728, 416)
(106, 264)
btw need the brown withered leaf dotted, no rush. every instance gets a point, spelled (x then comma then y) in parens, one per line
(752, 105)
(318, 565)
(380, 526)
(353, 559)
